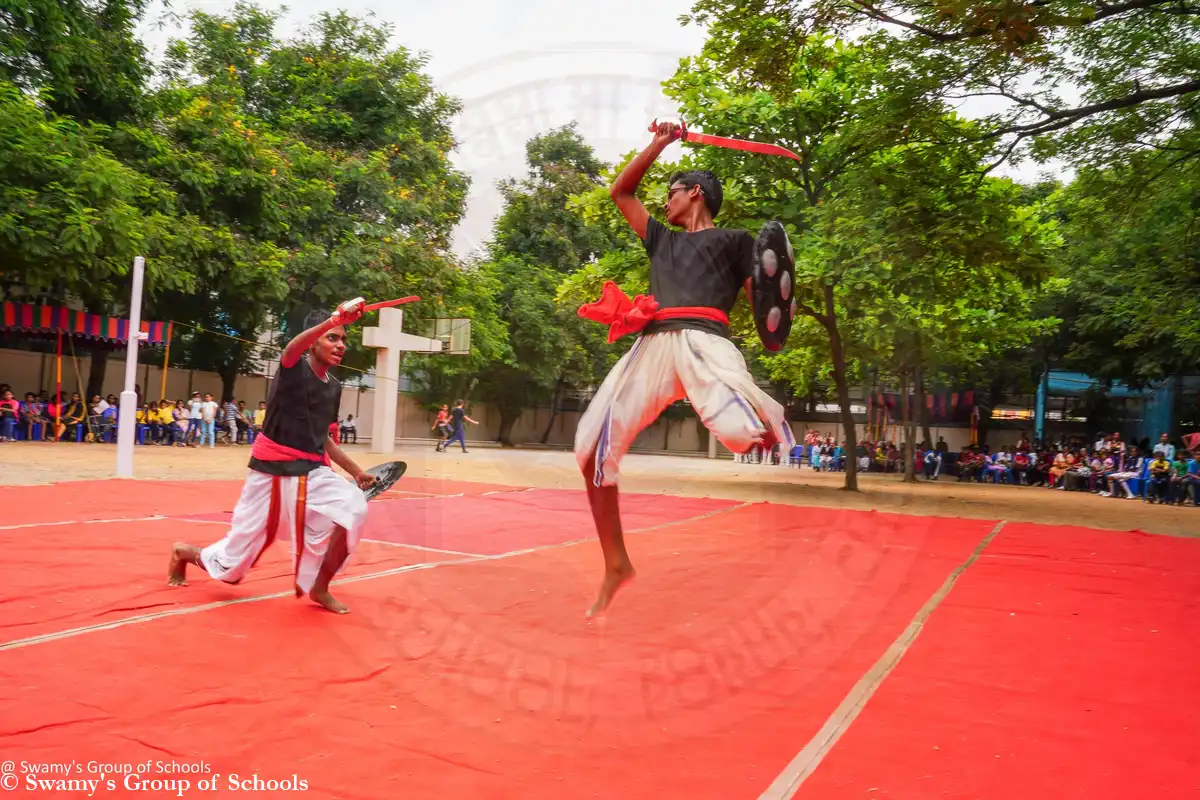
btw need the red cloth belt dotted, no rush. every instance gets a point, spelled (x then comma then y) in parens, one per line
(266, 450)
(624, 316)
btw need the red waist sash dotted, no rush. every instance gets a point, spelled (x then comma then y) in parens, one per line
(266, 450)
(624, 316)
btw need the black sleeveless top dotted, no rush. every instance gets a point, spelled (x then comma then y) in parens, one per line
(300, 409)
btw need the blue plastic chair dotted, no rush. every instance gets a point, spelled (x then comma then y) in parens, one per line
(1138, 485)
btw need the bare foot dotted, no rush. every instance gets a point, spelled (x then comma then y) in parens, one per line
(181, 555)
(614, 579)
(327, 601)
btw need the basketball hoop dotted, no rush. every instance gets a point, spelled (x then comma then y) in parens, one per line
(454, 333)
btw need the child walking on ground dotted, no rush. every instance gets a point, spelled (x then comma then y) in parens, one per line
(442, 426)
(458, 431)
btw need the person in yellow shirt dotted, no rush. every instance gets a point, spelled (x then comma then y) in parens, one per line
(260, 417)
(1160, 477)
(166, 418)
(150, 418)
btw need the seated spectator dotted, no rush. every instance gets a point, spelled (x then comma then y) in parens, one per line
(1062, 463)
(1021, 463)
(1132, 469)
(9, 414)
(1108, 466)
(30, 413)
(1078, 477)
(166, 423)
(243, 422)
(73, 416)
(1192, 480)
(260, 417)
(1160, 478)
(107, 422)
(154, 422)
(1178, 488)
(932, 463)
(95, 413)
(967, 464)
(349, 429)
(1039, 467)
(998, 465)
(183, 423)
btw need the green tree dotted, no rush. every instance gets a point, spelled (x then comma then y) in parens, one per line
(1133, 302)
(1080, 79)
(539, 241)
(323, 162)
(88, 71)
(886, 221)
(838, 114)
(82, 58)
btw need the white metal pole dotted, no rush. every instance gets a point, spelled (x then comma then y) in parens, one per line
(127, 421)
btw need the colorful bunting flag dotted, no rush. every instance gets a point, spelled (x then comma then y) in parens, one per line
(53, 319)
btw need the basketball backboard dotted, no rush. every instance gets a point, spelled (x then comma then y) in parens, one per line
(455, 334)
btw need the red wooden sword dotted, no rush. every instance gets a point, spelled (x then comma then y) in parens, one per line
(347, 306)
(733, 144)
(389, 303)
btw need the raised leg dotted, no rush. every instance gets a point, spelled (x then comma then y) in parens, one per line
(606, 511)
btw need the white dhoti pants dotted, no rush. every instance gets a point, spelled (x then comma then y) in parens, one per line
(662, 368)
(303, 510)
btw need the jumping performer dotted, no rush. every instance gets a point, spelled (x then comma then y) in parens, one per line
(684, 349)
(290, 479)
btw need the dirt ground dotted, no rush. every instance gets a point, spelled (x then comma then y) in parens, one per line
(40, 463)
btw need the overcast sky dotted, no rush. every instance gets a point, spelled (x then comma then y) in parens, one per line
(520, 67)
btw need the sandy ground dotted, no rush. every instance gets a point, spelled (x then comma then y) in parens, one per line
(41, 463)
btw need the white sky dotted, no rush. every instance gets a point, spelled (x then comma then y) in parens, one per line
(521, 67)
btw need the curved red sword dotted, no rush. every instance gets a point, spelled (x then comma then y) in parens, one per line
(389, 303)
(733, 144)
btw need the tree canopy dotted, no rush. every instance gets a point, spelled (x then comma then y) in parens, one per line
(266, 178)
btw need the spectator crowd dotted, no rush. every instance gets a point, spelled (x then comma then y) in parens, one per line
(1165, 473)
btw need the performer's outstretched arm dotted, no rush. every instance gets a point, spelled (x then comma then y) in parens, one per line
(345, 314)
(624, 188)
(344, 461)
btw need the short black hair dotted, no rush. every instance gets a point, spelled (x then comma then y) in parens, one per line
(709, 184)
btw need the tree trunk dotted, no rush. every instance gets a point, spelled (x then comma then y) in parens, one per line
(230, 370)
(923, 408)
(838, 359)
(910, 430)
(554, 403)
(995, 390)
(95, 383)
(508, 421)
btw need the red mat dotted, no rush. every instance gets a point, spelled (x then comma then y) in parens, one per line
(501, 523)
(1065, 663)
(114, 499)
(63, 577)
(741, 635)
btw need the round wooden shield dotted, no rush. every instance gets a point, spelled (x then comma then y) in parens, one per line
(386, 476)
(774, 283)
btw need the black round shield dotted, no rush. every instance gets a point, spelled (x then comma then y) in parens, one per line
(774, 284)
(385, 476)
